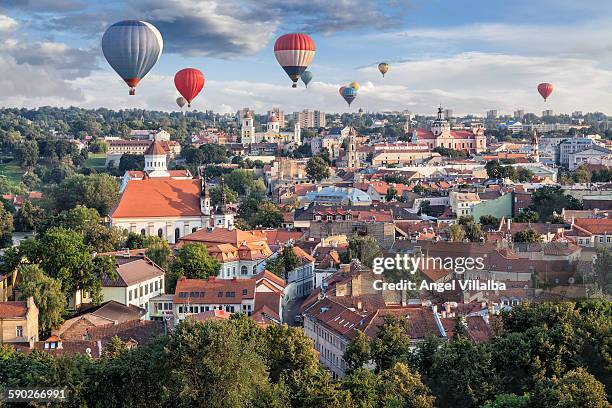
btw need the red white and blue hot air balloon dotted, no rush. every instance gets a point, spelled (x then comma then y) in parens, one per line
(294, 52)
(131, 48)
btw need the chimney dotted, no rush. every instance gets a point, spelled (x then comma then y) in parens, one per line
(509, 220)
(359, 305)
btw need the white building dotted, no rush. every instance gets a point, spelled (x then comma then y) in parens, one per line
(160, 204)
(272, 134)
(592, 155)
(138, 280)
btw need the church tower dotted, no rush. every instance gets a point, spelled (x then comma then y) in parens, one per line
(535, 150)
(440, 126)
(351, 152)
(297, 134)
(247, 130)
(156, 160)
(205, 197)
(223, 216)
(273, 125)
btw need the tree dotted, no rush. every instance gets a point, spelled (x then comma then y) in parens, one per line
(244, 182)
(508, 401)
(577, 388)
(391, 194)
(494, 169)
(99, 191)
(581, 175)
(401, 387)
(456, 233)
(358, 351)
(47, 294)
(131, 162)
(158, 251)
(62, 254)
(392, 344)
(523, 175)
(461, 374)
(364, 248)
(425, 208)
(527, 215)
(528, 236)
(284, 263)
(268, 215)
(489, 220)
(550, 199)
(214, 153)
(6, 228)
(26, 154)
(317, 169)
(28, 217)
(473, 232)
(603, 270)
(191, 261)
(215, 195)
(115, 347)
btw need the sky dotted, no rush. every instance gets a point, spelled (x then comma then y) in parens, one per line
(468, 55)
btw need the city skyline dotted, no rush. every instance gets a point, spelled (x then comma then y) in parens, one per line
(467, 57)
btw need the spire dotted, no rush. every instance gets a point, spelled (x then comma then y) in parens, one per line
(440, 112)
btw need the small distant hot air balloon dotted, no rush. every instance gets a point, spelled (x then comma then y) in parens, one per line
(294, 52)
(545, 89)
(306, 77)
(341, 91)
(355, 85)
(189, 82)
(180, 101)
(383, 67)
(349, 94)
(131, 48)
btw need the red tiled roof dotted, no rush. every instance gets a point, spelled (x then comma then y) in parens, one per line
(13, 309)
(159, 198)
(213, 291)
(595, 226)
(155, 148)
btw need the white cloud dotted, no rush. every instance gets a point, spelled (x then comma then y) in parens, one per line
(7, 24)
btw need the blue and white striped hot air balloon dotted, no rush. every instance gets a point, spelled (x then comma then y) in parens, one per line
(131, 48)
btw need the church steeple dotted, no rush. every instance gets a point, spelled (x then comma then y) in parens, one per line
(204, 197)
(535, 151)
(223, 217)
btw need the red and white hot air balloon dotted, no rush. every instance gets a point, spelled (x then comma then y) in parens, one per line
(189, 82)
(294, 52)
(545, 89)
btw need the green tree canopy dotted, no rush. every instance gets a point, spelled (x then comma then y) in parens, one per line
(193, 262)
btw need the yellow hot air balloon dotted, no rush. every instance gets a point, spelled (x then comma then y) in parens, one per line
(355, 85)
(383, 67)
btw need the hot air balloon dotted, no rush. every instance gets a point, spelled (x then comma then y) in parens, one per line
(132, 48)
(306, 77)
(294, 52)
(341, 91)
(545, 89)
(180, 101)
(349, 94)
(383, 67)
(189, 82)
(355, 85)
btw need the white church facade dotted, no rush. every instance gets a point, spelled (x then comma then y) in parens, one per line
(273, 134)
(165, 203)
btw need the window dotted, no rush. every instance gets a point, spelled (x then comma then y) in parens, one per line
(194, 230)
(156, 285)
(243, 270)
(244, 291)
(254, 269)
(180, 309)
(220, 294)
(160, 233)
(177, 234)
(142, 232)
(182, 294)
(19, 331)
(230, 294)
(130, 294)
(141, 291)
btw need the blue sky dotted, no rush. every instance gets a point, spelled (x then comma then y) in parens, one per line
(469, 55)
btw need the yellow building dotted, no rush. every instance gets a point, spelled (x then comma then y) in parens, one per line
(18, 321)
